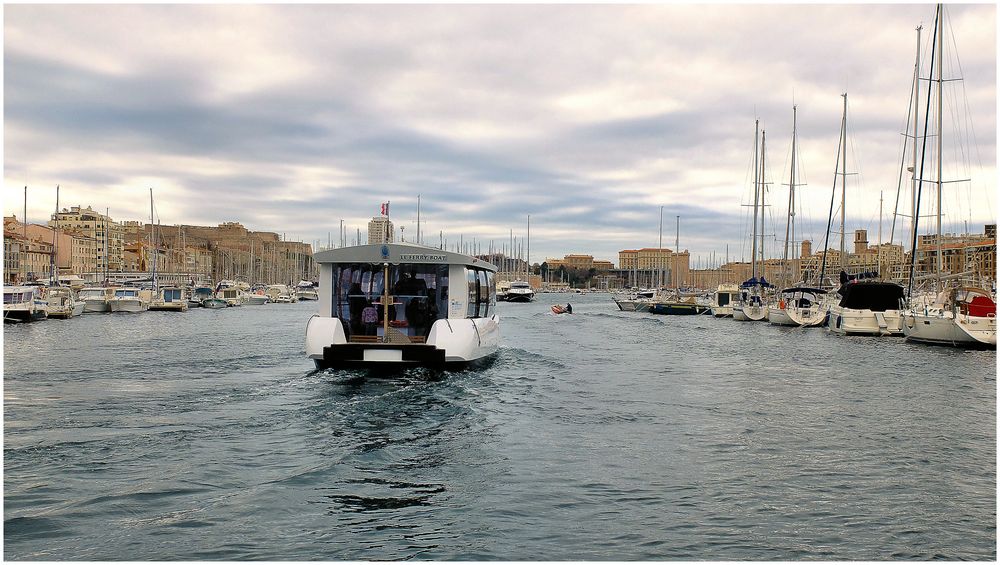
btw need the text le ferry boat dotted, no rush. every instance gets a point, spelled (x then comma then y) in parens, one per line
(441, 308)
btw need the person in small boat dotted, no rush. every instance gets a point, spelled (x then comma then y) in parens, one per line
(569, 308)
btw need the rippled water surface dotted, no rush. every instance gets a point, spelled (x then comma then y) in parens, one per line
(593, 436)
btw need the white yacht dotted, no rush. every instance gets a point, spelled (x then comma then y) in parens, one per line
(280, 294)
(96, 299)
(306, 291)
(867, 308)
(723, 299)
(958, 317)
(131, 300)
(22, 304)
(400, 304)
(61, 302)
(257, 298)
(230, 291)
(170, 298)
(808, 307)
(520, 291)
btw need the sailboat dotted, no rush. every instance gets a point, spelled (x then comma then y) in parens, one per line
(675, 304)
(866, 306)
(957, 316)
(751, 307)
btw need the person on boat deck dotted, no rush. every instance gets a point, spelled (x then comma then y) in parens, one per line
(357, 302)
(569, 308)
(369, 317)
(411, 285)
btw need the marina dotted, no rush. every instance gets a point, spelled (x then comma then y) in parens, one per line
(403, 291)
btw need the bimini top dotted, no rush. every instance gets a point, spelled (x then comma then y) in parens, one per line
(396, 253)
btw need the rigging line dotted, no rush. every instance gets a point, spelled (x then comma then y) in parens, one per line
(902, 159)
(829, 222)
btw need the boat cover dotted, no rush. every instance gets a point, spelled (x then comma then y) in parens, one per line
(872, 295)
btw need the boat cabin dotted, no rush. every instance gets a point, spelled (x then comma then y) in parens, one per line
(396, 294)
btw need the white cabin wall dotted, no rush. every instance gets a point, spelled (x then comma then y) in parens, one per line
(458, 292)
(326, 289)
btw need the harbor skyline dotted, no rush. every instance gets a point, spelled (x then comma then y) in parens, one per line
(291, 118)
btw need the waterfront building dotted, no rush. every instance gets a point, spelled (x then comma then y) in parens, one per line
(12, 250)
(380, 230)
(106, 233)
(650, 265)
(75, 252)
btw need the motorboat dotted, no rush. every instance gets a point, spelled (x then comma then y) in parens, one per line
(170, 298)
(62, 303)
(22, 304)
(677, 305)
(560, 309)
(280, 294)
(214, 303)
(232, 292)
(305, 290)
(723, 299)
(637, 301)
(132, 300)
(394, 305)
(96, 299)
(964, 316)
(867, 307)
(257, 298)
(502, 288)
(199, 294)
(520, 291)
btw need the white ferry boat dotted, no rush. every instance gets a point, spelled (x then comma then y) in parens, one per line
(428, 320)
(520, 291)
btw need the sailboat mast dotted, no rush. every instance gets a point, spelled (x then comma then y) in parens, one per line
(791, 203)
(24, 233)
(843, 187)
(677, 246)
(916, 121)
(940, 110)
(53, 269)
(763, 189)
(659, 254)
(756, 200)
(152, 236)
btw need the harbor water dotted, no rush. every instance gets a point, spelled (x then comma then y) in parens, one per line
(601, 435)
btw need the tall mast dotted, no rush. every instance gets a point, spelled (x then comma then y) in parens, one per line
(940, 110)
(53, 268)
(756, 199)
(843, 186)
(916, 113)
(763, 188)
(659, 253)
(24, 230)
(152, 236)
(677, 246)
(791, 202)
(527, 255)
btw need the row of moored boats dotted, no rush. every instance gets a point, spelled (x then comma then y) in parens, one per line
(956, 315)
(38, 302)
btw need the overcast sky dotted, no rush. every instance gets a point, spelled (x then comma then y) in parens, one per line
(588, 118)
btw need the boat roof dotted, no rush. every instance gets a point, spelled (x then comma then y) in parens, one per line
(803, 289)
(396, 253)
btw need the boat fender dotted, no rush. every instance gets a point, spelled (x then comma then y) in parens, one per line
(781, 304)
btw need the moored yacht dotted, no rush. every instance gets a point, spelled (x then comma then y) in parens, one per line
(170, 298)
(958, 317)
(723, 300)
(305, 290)
(797, 306)
(400, 304)
(867, 308)
(280, 294)
(198, 294)
(61, 302)
(21, 304)
(131, 300)
(96, 299)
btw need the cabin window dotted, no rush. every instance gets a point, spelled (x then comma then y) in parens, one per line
(491, 284)
(417, 290)
(484, 294)
(473, 282)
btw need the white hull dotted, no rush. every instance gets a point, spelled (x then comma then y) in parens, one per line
(462, 340)
(778, 316)
(722, 311)
(96, 305)
(306, 295)
(130, 305)
(810, 317)
(257, 300)
(850, 321)
(749, 313)
(939, 326)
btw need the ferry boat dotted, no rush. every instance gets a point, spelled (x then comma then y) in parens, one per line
(20, 304)
(400, 304)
